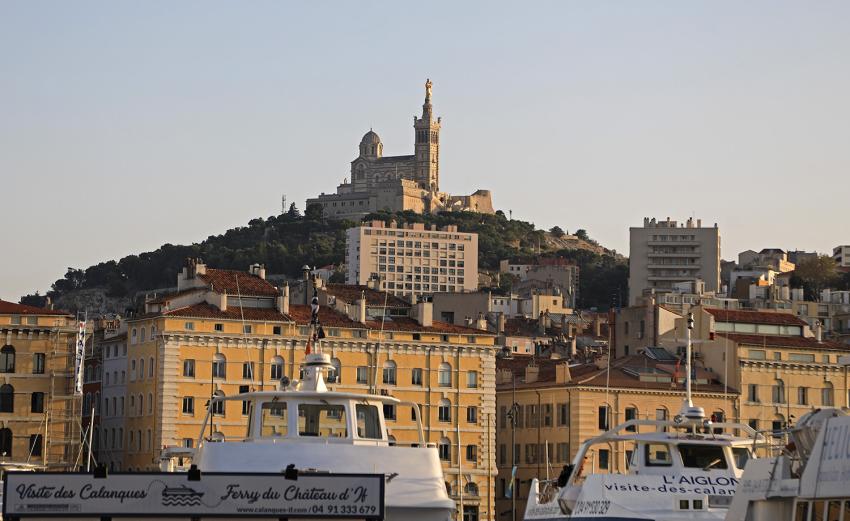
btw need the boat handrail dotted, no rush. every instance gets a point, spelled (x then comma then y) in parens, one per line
(751, 433)
(421, 433)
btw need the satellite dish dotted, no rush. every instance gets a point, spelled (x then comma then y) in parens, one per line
(284, 382)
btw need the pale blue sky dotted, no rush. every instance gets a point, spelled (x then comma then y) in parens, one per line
(125, 125)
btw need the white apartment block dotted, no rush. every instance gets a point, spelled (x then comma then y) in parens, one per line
(664, 253)
(410, 260)
(841, 254)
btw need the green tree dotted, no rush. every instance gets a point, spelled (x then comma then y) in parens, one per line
(557, 231)
(581, 233)
(815, 275)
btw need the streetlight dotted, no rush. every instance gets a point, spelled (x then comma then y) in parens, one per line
(507, 354)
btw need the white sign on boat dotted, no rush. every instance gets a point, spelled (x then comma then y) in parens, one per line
(53, 494)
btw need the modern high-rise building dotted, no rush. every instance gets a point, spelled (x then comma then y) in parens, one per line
(664, 253)
(411, 260)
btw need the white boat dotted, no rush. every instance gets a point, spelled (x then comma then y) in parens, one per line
(808, 481)
(685, 469)
(313, 429)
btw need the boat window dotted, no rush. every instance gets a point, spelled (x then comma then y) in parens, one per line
(702, 456)
(322, 420)
(846, 509)
(274, 419)
(802, 511)
(741, 456)
(834, 511)
(368, 424)
(657, 455)
(817, 510)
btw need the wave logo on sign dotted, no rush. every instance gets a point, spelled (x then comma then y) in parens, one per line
(182, 496)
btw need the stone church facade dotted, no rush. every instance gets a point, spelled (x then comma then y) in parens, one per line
(398, 183)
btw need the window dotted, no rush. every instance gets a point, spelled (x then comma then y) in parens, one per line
(247, 329)
(657, 455)
(246, 404)
(141, 368)
(472, 379)
(416, 376)
(546, 411)
(603, 417)
(7, 398)
(472, 415)
(444, 375)
(389, 411)
(150, 367)
(368, 425)
(141, 404)
(631, 414)
(188, 405)
(362, 374)
(218, 327)
(218, 406)
(563, 454)
(219, 366)
(274, 420)
(335, 373)
(472, 453)
(7, 359)
(389, 373)
(248, 370)
(803, 395)
(6, 442)
(189, 368)
(35, 444)
(445, 449)
(38, 363)
(322, 420)
(133, 370)
(189, 326)
(563, 414)
(702, 456)
(531, 453)
(753, 393)
(277, 368)
(37, 402)
(444, 412)
(778, 392)
(740, 456)
(604, 458)
(828, 396)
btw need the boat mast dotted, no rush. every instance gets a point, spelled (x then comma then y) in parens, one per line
(688, 356)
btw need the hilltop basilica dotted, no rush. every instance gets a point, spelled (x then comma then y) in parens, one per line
(398, 183)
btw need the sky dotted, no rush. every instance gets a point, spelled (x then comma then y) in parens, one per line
(127, 125)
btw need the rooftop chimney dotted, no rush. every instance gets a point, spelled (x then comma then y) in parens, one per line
(481, 322)
(500, 323)
(283, 299)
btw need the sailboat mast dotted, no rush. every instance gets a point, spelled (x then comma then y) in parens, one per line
(689, 356)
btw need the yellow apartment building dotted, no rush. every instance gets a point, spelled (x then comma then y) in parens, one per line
(39, 414)
(782, 368)
(557, 406)
(228, 332)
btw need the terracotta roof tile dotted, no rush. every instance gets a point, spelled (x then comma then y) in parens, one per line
(205, 310)
(755, 317)
(301, 315)
(162, 299)
(783, 341)
(248, 285)
(10, 308)
(409, 324)
(351, 293)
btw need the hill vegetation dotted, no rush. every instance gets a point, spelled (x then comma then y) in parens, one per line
(286, 242)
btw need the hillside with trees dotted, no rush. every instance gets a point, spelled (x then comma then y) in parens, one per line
(286, 242)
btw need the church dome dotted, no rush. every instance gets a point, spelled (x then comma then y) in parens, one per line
(370, 138)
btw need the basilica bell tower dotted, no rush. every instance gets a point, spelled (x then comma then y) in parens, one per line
(427, 148)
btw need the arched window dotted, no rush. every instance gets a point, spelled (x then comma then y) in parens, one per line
(219, 366)
(389, 373)
(97, 402)
(7, 398)
(335, 374)
(7, 359)
(150, 367)
(142, 335)
(107, 379)
(277, 367)
(444, 447)
(87, 404)
(828, 395)
(141, 404)
(778, 391)
(632, 414)
(471, 489)
(445, 410)
(150, 403)
(139, 438)
(444, 375)
(114, 406)
(141, 368)
(218, 407)
(121, 438)
(6, 442)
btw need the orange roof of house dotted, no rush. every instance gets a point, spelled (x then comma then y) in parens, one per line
(351, 293)
(11, 308)
(409, 324)
(755, 317)
(204, 310)
(783, 341)
(236, 282)
(328, 317)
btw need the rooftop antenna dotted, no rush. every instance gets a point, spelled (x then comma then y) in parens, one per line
(689, 411)
(283, 203)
